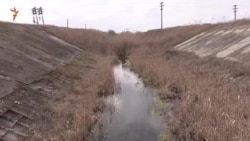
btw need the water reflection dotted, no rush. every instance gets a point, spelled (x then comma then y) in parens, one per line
(131, 109)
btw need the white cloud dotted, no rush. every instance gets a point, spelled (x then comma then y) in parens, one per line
(120, 15)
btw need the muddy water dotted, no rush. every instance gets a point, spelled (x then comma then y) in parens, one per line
(134, 112)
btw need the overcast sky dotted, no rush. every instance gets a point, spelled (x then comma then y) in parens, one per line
(135, 15)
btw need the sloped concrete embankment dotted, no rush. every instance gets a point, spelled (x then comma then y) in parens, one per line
(227, 42)
(27, 55)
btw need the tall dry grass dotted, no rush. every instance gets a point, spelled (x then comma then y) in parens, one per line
(102, 43)
(211, 100)
(171, 36)
(88, 39)
(75, 111)
(211, 95)
(212, 104)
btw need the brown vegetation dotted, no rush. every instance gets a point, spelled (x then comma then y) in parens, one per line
(71, 115)
(211, 103)
(90, 39)
(211, 96)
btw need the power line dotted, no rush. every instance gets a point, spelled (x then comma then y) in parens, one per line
(161, 14)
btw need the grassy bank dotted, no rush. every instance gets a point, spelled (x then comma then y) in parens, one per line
(80, 85)
(212, 102)
(210, 95)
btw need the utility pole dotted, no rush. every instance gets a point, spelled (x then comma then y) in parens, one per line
(40, 13)
(161, 14)
(34, 12)
(235, 8)
(67, 23)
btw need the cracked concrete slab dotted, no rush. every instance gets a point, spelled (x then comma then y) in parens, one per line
(27, 55)
(229, 43)
(234, 48)
(6, 86)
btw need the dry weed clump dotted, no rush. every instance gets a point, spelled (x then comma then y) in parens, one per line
(102, 43)
(102, 78)
(212, 104)
(123, 44)
(89, 39)
(171, 36)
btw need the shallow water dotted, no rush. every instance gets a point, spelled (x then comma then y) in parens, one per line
(133, 112)
(135, 116)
